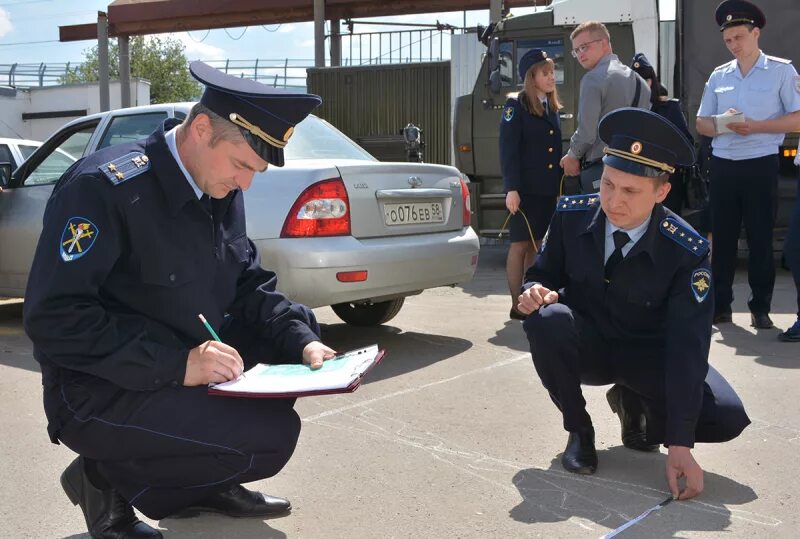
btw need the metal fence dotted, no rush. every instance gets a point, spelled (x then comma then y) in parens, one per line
(28, 75)
(396, 47)
(366, 48)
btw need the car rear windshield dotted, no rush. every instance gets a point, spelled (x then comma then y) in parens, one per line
(317, 139)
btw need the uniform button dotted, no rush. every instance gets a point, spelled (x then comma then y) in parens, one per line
(172, 277)
(550, 150)
(157, 381)
(174, 383)
(550, 165)
(551, 131)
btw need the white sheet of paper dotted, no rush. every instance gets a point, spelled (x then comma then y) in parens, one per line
(724, 119)
(335, 373)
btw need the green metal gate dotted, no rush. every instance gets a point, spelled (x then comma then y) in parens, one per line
(371, 104)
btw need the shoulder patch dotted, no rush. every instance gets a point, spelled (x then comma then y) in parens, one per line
(684, 236)
(700, 283)
(508, 113)
(779, 59)
(126, 167)
(577, 202)
(77, 239)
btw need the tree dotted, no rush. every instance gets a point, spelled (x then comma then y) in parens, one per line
(158, 59)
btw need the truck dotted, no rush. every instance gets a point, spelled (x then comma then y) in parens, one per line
(693, 43)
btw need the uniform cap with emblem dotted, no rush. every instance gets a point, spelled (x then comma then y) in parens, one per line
(642, 66)
(737, 12)
(644, 143)
(266, 116)
(533, 56)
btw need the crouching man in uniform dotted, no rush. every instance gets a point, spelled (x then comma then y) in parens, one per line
(621, 293)
(138, 240)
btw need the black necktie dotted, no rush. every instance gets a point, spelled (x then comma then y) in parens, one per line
(205, 201)
(620, 240)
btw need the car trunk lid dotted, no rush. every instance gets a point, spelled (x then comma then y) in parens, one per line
(394, 199)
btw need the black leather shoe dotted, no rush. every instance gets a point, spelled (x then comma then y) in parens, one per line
(631, 416)
(580, 455)
(108, 515)
(725, 317)
(761, 321)
(237, 501)
(792, 334)
(516, 315)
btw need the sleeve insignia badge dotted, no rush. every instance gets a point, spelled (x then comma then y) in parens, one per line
(126, 167)
(700, 283)
(77, 239)
(508, 113)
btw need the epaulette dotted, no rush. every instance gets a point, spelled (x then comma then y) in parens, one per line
(577, 202)
(779, 59)
(684, 236)
(126, 167)
(723, 66)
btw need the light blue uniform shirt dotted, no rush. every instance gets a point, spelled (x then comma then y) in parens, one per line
(770, 90)
(172, 144)
(634, 234)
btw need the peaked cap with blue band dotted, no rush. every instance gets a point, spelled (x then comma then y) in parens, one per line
(266, 116)
(737, 12)
(533, 56)
(642, 66)
(644, 143)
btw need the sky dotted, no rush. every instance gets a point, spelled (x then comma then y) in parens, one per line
(29, 33)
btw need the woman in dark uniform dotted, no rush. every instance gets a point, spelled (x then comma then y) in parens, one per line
(530, 151)
(670, 109)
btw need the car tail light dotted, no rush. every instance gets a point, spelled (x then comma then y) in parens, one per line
(465, 202)
(323, 209)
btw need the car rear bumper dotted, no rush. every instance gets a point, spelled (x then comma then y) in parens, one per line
(396, 266)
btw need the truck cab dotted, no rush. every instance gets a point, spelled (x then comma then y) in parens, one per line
(477, 115)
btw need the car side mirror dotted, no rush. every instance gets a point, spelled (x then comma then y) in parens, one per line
(5, 174)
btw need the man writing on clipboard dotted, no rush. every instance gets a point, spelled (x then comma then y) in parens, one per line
(137, 240)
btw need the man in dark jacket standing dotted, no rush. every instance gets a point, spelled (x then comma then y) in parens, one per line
(138, 240)
(621, 293)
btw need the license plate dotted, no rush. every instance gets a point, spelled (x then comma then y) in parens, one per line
(413, 213)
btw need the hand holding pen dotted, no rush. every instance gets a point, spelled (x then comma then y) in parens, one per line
(212, 361)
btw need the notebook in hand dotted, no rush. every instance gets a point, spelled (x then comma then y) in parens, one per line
(341, 374)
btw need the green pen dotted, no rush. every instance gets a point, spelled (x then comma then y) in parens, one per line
(209, 328)
(211, 331)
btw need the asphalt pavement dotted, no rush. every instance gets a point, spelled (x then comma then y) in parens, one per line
(453, 436)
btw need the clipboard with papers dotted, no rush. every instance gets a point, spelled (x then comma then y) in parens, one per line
(342, 374)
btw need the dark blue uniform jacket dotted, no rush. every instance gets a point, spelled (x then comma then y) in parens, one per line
(530, 150)
(671, 110)
(659, 298)
(126, 309)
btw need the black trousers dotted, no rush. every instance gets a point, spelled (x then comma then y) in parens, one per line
(743, 191)
(569, 351)
(168, 449)
(791, 247)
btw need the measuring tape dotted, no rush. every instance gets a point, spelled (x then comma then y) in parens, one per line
(636, 520)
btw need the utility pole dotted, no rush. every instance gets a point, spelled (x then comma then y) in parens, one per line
(319, 33)
(102, 57)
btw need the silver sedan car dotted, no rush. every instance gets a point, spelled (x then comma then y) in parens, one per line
(337, 226)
